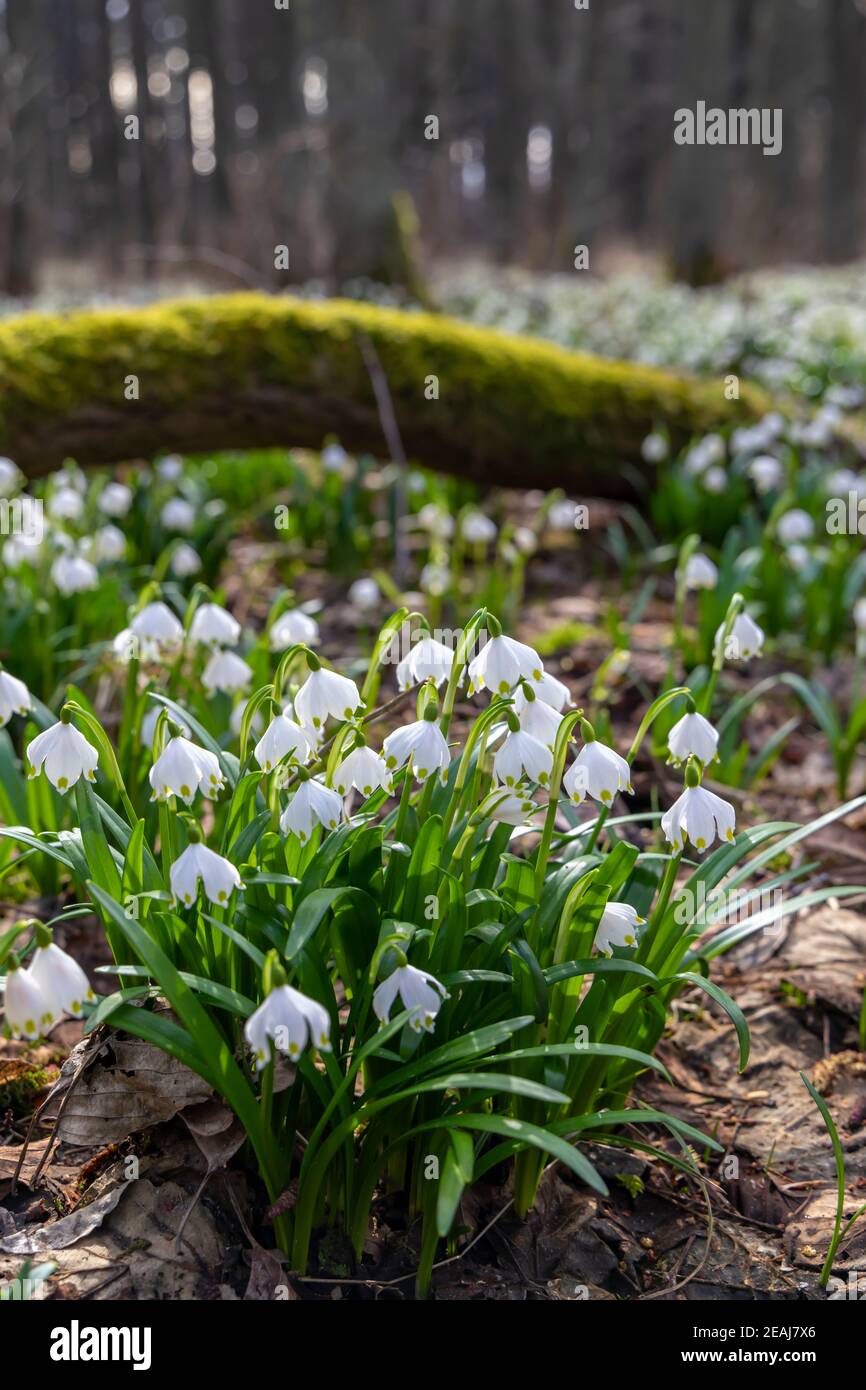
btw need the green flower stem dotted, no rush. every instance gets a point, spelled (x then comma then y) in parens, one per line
(560, 752)
(735, 607)
(464, 646)
(494, 711)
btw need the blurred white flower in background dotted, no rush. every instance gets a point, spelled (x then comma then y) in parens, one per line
(74, 575)
(178, 515)
(170, 468)
(766, 473)
(227, 672)
(654, 448)
(477, 529)
(745, 639)
(66, 504)
(214, 626)
(715, 480)
(795, 526)
(700, 572)
(11, 477)
(293, 626)
(15, 698)
(115, 499)
(365, 594)
(157, 625)
(108, 544)
(184, 561)
(437, 520)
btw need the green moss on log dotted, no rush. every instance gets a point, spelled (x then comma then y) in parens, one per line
(246, 371)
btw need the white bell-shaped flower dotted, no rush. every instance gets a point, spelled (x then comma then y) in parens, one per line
(744, 641)
(226, 671)
(512, 808)
(692, 735)
(28, 1013)
(365, 771)
(859, 614)
(420, 744)
(63, 984)
(700, 572)
(282, 738)
(290, 1020)
(155, 623)
(549, 691)
(74, 575)
(15, 698)
(182, 769)
(218, 876)
(537, 717)
(428, 660)
(312, 804)
(501, 664)
(618, 927)
(64, 754)
(323, 694)
(214, 626)
(521, 755)
(699, 816)
(293, 626)
(596, 770)
(421, 993)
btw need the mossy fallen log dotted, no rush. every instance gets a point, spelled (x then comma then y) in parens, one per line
(246, 370)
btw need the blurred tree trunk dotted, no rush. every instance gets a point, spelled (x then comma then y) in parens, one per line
(846, 35)
(211, 193)
(24, 80)
(147, 225)
(105, 214)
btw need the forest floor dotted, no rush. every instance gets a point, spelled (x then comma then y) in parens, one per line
(140, 1198)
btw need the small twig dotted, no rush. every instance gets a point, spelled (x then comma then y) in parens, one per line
(391, 431)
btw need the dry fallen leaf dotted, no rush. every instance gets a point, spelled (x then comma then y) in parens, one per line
(57, 1235)
(130, 1086)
